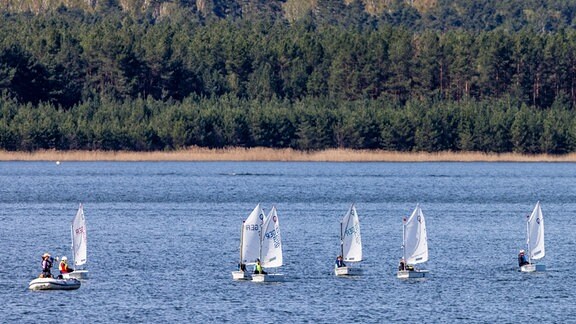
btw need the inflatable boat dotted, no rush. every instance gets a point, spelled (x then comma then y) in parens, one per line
(54, 284)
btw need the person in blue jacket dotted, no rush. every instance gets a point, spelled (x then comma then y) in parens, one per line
(340, 262)
(522, 258)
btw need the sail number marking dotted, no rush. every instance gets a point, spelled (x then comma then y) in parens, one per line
(252, 227)
(354, 230)
(274, 235)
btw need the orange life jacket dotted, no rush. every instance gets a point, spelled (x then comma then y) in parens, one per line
(63, 267)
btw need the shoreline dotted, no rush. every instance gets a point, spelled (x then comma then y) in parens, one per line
(279, 155)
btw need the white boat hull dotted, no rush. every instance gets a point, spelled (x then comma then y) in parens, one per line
(78, 274)
(241, 275)
(533, 268)
(54, 284)
(341, 271)
(406, 274)
(270, 277)
(347, 271)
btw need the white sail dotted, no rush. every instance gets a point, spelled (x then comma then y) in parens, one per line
(535, 239)
(271, 241)
(79, 238)
(251, 236)
(350, 236)
(415, 238)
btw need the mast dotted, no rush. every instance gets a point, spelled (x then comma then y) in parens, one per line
(260, 241)
(404, 240)
(72, 237)
(241, 241)
(341, 241)
(528, 240)
(72, 245)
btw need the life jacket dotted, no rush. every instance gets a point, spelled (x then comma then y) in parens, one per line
(258, 268)
(64, 267)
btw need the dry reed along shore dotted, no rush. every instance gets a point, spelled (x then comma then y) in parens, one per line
(267, 154)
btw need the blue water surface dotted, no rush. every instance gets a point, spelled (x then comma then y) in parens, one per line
(163, 239)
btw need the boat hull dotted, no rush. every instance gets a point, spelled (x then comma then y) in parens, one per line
(241, 275)
(407, 274)
(341, 271)
(78, 274)
(270, 277)
(533, 268)
(54, 284)
(347, 271)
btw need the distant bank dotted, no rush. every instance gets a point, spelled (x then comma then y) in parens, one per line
(267, 154)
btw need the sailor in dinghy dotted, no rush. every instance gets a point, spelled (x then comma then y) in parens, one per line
(79, 246)
(350, 244)
(249, 243)
(63, 267)
(270, 249)
(534, 242)
(414, 245)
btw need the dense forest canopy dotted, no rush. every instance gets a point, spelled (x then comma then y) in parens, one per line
(493, 76)
(545, 15)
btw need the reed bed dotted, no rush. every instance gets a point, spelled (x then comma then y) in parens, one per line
(267, 154)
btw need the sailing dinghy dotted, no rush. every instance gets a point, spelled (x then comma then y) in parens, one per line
(535, 240)
(350, 243)
(54, 284)
(249, 243)
(79, 240)
(270, 248)
(414, 245)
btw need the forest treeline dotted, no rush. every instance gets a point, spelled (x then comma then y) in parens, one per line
(74, 80)
(310, 124)
(418, 15)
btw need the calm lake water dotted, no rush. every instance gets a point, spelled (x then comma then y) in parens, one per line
(163, 238)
